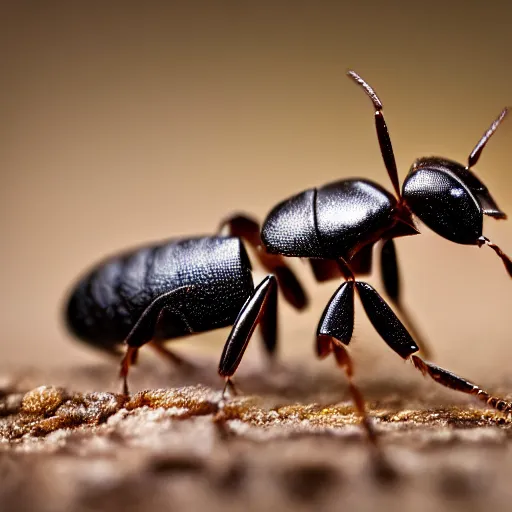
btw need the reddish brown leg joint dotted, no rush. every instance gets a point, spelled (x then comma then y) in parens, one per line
(344, 361)
(346, 270)
(130, 357)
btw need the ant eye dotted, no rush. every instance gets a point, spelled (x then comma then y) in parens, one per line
(456, 192)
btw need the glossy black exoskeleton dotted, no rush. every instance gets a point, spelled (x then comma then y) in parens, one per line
(336, 226)
(182, 287)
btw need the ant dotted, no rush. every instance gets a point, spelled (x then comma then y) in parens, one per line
(186, 286)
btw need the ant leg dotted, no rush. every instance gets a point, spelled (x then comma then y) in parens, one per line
(386, 323)
(173, 317)
(344, 360)
(506, 259)
(337, 319)
(361, 263)
(389, 270)
(333, 333)
(259, 308)
(386, 147)
(169, 354)
(229, 389)
(398, 338)
(324, 270)
(128, 359)
(391, 280)
(249, 230)
(144, 330)
(477, 151)
(268, 322)
(452, 381)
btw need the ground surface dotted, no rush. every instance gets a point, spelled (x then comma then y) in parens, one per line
(291, 442)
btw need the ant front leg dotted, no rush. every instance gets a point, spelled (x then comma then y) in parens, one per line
(260, 307)
(249, 230)
(393, 332)
(144, 330)
(391, 279)
(507, 262)
(333, 334)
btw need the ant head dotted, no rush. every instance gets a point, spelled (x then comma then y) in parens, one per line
(443, 194)
(449, 199)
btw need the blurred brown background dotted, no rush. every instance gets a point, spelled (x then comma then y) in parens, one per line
(127, 123)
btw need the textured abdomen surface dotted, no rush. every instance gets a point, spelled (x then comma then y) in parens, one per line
(109, 300)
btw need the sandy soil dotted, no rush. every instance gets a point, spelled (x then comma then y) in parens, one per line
(291, 442)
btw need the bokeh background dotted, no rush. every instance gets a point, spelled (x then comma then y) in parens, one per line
(128, 122)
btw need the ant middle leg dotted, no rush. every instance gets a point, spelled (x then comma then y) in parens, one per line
(328, 344)
(360, 264)
(393, 332)
(334, 332)
(344, 360)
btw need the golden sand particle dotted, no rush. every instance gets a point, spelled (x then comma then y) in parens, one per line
(43, 400)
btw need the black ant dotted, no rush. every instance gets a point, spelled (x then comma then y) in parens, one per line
(186, 286)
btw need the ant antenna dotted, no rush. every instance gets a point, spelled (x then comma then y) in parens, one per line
(382, 132)
(367, 89)
(475, 154)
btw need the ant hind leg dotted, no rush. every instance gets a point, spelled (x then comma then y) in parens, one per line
(249, 230)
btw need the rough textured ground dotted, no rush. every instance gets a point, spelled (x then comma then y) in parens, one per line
(292, 442)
